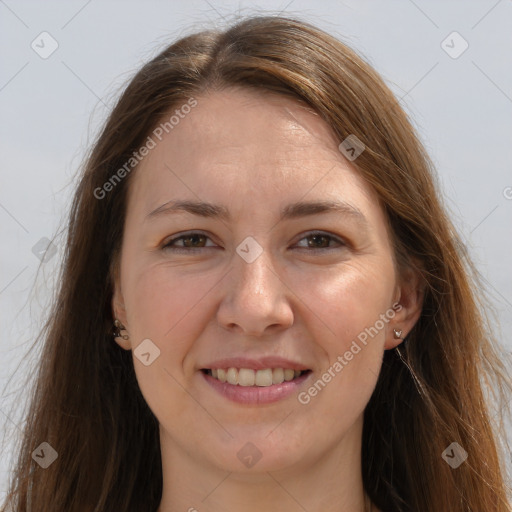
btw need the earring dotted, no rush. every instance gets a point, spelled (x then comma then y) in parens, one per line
(118, 327)
(398, 334)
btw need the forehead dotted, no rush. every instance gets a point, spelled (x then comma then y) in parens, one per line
(242, 117)
(243, 141)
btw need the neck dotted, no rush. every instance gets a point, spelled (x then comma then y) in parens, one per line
(329, 482)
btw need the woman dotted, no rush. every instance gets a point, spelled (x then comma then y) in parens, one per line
(295, 325)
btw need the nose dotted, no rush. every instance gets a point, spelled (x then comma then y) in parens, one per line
(255, 298)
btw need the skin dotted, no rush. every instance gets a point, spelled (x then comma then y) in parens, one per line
(255, 153)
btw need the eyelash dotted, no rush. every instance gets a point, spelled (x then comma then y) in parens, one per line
(168, 247)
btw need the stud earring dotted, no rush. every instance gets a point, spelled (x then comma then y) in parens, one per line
(118, 327)
(398, 334)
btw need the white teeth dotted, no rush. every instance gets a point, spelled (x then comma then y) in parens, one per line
(277, 376)
(232, 376)
(263, 377)
(289, 374)
(248, 377)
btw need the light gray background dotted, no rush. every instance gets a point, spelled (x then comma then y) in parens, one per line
(51, 108)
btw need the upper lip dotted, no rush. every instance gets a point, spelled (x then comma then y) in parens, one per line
(255, 364)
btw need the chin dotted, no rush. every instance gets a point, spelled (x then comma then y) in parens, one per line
(256, 454)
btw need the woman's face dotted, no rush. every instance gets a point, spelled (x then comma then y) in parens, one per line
(259, 280)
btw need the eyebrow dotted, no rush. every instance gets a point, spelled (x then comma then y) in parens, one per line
(291, 211)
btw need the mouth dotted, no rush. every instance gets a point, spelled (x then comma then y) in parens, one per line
(247, 377)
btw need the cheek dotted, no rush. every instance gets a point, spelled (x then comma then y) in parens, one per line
(343, 302)
(165, 305)
(346, 322)
(164, 302)
(335, 304)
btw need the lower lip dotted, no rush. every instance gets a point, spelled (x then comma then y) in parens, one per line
(256, 394)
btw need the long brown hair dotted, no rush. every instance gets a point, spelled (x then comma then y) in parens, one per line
(433, 391)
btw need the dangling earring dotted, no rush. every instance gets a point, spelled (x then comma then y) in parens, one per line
(398, 334)
(118, 327)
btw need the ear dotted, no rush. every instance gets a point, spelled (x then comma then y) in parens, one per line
(119, 310)
(409, 303)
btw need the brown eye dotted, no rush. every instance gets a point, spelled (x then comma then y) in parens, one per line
(193, 240)
(187, 241)
(321, 241)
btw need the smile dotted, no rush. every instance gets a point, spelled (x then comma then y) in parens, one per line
(247, 386)
(249, 377)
